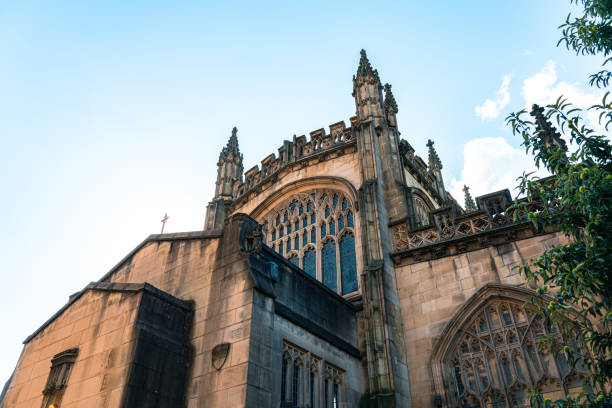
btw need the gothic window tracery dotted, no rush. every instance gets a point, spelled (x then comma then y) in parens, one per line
(309, 381)
(315, 230)
(495, 359)
(421, 212)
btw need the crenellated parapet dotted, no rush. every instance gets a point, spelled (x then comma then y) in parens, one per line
(301, 151)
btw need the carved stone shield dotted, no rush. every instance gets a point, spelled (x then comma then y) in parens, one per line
(219, 355)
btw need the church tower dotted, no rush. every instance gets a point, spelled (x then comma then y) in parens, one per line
(383, 201)
(229, 170)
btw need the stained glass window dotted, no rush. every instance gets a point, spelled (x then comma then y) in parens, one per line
(348, 263)
(316, 216)
(294, 260)
(329, 265)
(310, 262)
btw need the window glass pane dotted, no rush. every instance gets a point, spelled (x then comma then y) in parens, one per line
(289, 245)
(341, 223)
(312, 390)
(348, 263)
(284, 381)
(280, 248)
(309, 206)
(296, 383)
(323, 230)
(310, 262)
(313, 235)
(329, 265)
(304, 238)
(277, 220)
(344, 204)
(327, 212)
(313, 218)
(335, 201)
(349, 219)
(274, 235)
(285, 217)
(296, 242)
(332, 227)
(294, 260)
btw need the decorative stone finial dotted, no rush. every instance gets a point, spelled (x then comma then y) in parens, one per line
(365, 69)
(470, 205)
(232, 145)
(547, 132)
(390, 103)
(434, 161)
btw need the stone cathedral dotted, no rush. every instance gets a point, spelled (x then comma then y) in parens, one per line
(339, 273)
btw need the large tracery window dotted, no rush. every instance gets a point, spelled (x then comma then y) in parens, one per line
(495, 359)
(315, 230)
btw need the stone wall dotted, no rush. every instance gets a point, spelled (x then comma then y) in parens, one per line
(102, 326)
(431, 291)
(214, 275)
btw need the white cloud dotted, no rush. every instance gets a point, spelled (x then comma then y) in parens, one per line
(543, 89)
(491, 108)
(529, 52)
(491, 164)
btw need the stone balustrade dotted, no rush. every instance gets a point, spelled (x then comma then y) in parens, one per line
(447, 224)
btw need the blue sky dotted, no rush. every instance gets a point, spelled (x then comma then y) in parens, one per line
(113, 113)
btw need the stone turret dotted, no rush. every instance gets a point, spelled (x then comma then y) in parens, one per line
(229, 173)
(470, 205)
(367, 90)
(547, 133)
(229, 168)
(435, 168)
(390, 106)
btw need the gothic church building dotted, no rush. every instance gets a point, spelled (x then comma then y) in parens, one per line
(339, 273)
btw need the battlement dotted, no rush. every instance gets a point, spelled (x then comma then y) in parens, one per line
(294, 151)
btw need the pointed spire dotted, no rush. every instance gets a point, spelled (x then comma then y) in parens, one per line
(434, 161)
(546, 130)
(470, 205)
(365, 68)
(390, 103)
(232, 145)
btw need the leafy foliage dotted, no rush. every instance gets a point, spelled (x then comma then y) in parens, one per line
(591, 34)
(574, 279)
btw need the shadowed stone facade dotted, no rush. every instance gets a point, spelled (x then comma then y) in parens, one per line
(339, 273)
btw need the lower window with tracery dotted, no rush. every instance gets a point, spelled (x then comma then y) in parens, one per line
(307, 380)
(497, 359)
(315, 230)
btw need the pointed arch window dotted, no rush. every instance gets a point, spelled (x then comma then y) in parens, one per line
(316, 229)
(488, 354)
